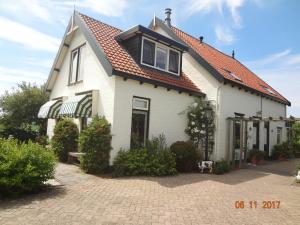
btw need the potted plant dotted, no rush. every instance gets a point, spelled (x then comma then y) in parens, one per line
(256, 156)
(282, 151)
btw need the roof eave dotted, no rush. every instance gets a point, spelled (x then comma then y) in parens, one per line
(158, 83)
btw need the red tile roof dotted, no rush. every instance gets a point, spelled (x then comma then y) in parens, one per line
(121, 60)
(226, 66)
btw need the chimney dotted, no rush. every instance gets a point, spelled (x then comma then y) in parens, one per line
(232, 55)
(201, 39)
(168, 16)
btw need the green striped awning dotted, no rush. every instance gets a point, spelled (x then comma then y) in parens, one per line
(77, 106)
(50, 109)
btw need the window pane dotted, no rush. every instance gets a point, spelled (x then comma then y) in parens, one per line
(74, 66)
(138, 129)
(148, 52)
(139, 103)
(173, 61)
(81, 63)
(161, 58)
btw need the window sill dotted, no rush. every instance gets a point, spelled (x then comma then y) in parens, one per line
(77, 82)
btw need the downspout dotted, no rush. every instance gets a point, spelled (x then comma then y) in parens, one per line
(218, 115)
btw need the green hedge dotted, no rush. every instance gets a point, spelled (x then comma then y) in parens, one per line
(282, 150)
(153, 160)
(259, 155)
(65, 138)
(95, 141)
(221, 167)
(186, 156)
(24, 167)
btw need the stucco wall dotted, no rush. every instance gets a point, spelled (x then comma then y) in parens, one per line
(233, 100)
(94, 78)
(167, 112)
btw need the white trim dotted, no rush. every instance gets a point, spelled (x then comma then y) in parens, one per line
(168, 53)
(140, 99)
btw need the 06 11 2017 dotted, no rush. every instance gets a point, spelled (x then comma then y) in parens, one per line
(253, 204)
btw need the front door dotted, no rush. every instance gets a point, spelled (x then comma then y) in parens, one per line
(256, 135)
(267, 138)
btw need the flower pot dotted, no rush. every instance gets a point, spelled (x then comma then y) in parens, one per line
(281, 158)
(253, 160)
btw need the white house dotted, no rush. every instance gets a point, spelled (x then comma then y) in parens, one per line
(143, 79)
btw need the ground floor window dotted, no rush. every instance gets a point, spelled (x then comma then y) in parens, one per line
(139, 122)
(279, 135)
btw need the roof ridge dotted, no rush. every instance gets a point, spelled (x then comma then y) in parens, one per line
(106, 24)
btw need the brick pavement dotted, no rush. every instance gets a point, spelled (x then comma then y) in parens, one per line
(183, 199)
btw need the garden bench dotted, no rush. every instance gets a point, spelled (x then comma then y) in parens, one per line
(205, 165)
(73, 157)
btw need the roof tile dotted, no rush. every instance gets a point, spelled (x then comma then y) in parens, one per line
(123, 62)
(225, 65)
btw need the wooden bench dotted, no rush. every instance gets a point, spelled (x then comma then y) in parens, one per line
(73, 157)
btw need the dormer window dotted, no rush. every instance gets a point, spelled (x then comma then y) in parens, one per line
(148, 52)
(160, 56)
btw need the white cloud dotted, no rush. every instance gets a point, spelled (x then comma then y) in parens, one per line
(224, 25)
(27, 36)
(10, 77)
(28, 8)
(224, 34)
(107, 8)
(282, 71)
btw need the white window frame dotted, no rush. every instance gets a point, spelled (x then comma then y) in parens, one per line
(140, 108)
(168, 53)
(78, 68)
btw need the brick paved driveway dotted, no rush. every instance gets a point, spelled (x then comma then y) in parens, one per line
(183, 199)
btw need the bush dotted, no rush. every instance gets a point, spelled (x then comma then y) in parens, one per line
(24, 167)
(259, 155)
(282, 150)
(221, 167)
(21, 134)
(186, 156)
(95, 141)
(153, 160)
(65, 138)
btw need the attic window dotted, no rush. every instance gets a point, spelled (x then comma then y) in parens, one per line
(268, 89)
(236, 77)
(77, 64)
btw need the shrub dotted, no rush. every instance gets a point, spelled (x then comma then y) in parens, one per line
(186, 156)
(259, 155)
(153, 160)
(95, 142)
(24, 167)
(65, 138)
(221, 167)
(282, 150)
(21, 134)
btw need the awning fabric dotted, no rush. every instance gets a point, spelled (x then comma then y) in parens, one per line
(50, 109)
(77, 106)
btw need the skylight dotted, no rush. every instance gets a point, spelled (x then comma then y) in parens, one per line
(268, 89)
(236, 77)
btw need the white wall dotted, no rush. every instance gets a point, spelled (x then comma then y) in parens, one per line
(94, 78)
(234, 100)
(167, 112)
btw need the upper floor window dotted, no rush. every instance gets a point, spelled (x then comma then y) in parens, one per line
(77, 64)
(160, 56)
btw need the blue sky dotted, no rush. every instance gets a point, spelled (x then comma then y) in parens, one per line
(264, 34)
